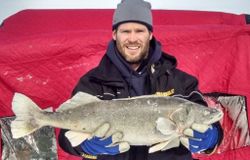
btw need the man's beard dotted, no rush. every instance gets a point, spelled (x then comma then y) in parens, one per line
(135, 60)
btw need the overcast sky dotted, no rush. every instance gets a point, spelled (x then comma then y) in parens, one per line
(9, 7)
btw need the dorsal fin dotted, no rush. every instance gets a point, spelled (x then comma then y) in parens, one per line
(80, 98)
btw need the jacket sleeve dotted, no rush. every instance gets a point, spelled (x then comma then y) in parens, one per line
(192, 92)
(85, 85)
(65, 144)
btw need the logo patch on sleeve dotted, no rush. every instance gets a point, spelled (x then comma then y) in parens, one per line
(167, 93)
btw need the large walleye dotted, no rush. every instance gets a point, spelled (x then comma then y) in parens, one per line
(156, 121)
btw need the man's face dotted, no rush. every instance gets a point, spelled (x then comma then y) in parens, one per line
(132, 40)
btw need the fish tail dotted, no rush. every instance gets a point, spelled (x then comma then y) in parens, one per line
(26, 112)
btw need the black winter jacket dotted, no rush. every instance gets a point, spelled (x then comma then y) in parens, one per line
(106, 82)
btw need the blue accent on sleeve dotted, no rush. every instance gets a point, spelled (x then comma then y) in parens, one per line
(204, 141)
(97, 146)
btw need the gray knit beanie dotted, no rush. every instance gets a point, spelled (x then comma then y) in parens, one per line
(133, 11)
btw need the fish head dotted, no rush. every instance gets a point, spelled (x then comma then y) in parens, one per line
(183, 116)
(207, 115)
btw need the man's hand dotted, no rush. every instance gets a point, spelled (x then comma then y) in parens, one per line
(99, 144)
(200, 137)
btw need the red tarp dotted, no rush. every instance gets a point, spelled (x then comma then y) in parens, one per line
(44, 52)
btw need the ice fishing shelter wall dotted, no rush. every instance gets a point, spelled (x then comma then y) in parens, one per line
(44, 52)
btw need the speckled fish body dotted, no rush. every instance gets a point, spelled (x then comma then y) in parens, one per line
(144, 120)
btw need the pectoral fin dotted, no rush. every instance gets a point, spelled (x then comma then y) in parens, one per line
(76, 138)
(165, 126)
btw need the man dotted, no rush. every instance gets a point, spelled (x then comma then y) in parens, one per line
(135, 65)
